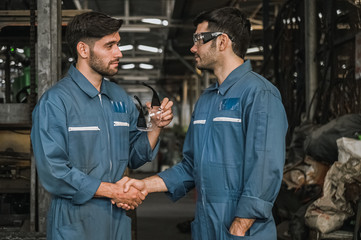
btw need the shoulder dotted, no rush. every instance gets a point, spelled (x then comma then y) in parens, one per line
(256, 83)
(58, 93)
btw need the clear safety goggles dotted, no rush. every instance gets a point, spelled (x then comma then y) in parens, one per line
(205, 37)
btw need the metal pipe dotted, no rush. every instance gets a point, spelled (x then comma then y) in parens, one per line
(77, 4)
(310, 53)
(180, 58)
(126, 12)
(7, 75)
(266, 30)
(184, 115)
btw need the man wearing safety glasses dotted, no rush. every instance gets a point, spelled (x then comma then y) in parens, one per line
(234, 150)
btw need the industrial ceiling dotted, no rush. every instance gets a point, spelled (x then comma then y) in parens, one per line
(156, 35)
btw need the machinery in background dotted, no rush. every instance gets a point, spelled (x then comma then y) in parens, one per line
(15, 172)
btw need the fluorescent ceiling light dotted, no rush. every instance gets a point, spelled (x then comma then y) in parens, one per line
(152, 21)
(156, 21)
(146, 66)
(20, 50)
(126, 48)
(128, 66)
(149, 49)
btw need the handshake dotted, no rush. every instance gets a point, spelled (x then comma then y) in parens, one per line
(128, 193)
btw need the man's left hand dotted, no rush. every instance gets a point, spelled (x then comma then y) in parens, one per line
(240, 226)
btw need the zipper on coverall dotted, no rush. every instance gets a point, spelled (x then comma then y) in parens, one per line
(110, 166)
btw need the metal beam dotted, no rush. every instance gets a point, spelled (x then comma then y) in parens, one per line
(15, 114)
(22, 17)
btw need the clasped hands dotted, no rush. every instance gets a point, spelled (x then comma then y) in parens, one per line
(129, 193)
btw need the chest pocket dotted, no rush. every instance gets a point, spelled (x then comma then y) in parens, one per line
(83, 145)
(227, 138)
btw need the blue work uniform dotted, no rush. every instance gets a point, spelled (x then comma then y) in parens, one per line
(233, 155)
(82, 137)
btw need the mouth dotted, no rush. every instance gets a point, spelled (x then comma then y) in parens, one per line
(114, 63)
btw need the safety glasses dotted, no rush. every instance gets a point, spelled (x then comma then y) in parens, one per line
(205, 37)
(143, 122)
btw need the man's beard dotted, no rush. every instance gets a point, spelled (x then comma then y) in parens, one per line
(100, 67)
(205, 65)
(208, 59)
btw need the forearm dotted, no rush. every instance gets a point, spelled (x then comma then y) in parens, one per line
(155, 184)
(105, 190)
(153, 136)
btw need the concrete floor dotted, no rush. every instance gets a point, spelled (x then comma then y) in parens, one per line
(158, 216)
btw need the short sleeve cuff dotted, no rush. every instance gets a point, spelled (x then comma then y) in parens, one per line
(253, 208)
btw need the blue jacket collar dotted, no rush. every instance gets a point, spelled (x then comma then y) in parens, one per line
(85, 85)
(232, 78)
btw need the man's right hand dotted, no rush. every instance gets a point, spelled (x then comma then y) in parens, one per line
(129, 199)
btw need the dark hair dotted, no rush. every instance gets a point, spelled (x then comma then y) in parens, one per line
(90, 25)
(231, 21)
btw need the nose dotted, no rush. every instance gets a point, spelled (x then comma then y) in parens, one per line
(118, 53)
(194, 48)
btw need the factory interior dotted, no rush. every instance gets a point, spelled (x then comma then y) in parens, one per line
(309, 49)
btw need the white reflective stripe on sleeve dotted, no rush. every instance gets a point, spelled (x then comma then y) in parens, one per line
(90, 128)
(227, 119)
(199, 122)
(121, 124)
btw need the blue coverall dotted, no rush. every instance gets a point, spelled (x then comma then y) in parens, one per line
(81, 137)
(233, 155)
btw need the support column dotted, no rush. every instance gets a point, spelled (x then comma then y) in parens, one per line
(49, 70)
(49, 44)
(310, 53)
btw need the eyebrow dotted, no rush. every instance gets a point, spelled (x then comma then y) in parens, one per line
(112, 42)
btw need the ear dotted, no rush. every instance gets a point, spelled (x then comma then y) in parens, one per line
(83, 49)
(224, 41)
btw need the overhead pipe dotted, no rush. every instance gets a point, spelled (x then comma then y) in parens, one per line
(181, 59)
